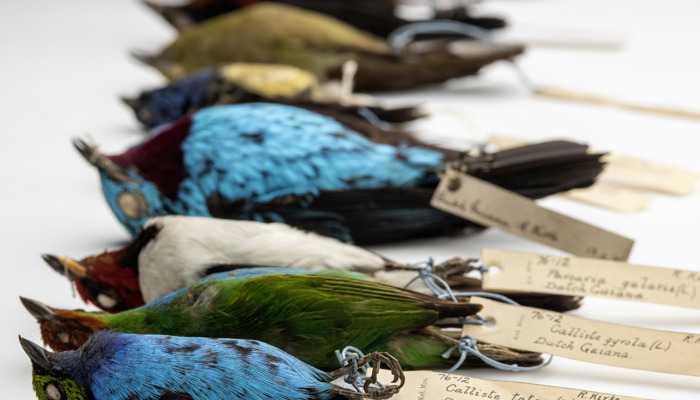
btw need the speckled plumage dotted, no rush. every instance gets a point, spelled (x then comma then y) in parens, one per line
(117, 366)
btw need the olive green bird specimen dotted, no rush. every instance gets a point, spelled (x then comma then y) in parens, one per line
(308, 316)
(282, 34)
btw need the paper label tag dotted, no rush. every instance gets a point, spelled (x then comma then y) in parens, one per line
(543, 331)
(428, 385)
(611, 196)
(490, 205)
(524, 272)
(649, 175)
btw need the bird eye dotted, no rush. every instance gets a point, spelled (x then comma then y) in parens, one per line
(54, 391)
(63, 337)
(133, 204)
(106, 301)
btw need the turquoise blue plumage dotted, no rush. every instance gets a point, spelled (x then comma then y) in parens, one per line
(278, 163)
(270, 162)
(117, 366)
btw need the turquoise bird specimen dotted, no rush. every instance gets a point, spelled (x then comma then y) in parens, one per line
(375, 16)
(308, 316)
(173, 252)
(249, 83)
(118, 366)
(276, 163)
(275, 33)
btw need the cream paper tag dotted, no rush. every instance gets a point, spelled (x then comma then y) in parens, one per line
(429, 385)
(491, 205)
(534, 329)
(525, 272)
(649, 174)
(611, 196)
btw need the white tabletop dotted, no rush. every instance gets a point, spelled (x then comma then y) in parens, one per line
(65, 64)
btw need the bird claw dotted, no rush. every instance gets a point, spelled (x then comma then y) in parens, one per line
(373, 393)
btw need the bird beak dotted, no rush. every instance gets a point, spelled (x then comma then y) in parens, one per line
(38, 310)
(93, 156)
(39, 356)
(134, 104)
(65, 266)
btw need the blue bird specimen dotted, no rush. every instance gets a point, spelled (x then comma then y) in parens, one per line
(276, 163)
(275, 33)
(308, 316)
(374, 16)
(118, 366)
(247, 83)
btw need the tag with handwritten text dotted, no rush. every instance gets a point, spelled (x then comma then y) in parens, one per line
(611, 196)
(429, 385)
(649, 174)
(491, 205)
(525, 272)
(533, 329)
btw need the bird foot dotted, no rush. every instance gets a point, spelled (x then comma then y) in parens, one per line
(372, 393)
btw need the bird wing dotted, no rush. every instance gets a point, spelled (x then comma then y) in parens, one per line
(260, 152)
(268, 33)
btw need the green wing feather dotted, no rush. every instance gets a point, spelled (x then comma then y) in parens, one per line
(308, 316)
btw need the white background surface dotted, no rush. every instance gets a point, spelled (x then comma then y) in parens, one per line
(64, 64)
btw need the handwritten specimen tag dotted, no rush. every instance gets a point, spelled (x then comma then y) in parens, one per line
(611, 196)
(490, 205)
(590, 277)
(649, 174)
(429, 385)
(533, 329)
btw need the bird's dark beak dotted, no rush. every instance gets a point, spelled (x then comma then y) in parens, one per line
(65, 266)
(133, 103)
(38, 310)
(40, 357)
(93, 156)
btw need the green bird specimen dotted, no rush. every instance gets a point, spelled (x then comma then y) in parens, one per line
(308, 316)
(282, 34)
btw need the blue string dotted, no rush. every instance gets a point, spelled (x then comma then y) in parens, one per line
(401, 36)
(352, 354)
(467, 345)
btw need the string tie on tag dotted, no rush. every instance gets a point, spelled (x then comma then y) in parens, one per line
(367, 114)
(468, 345)
(442, 290)
(356, 377)
(400, 37)
(429, 279)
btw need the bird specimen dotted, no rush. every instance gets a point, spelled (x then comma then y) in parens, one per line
(276, 163)
(308, 316)
(373, 16)
(173, 252)
(247, 83)
(156, 367)
(281, 34)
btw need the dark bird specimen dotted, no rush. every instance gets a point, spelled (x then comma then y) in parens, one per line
(275, 163)
(173, 252)
(375, 16)
(249, 83)
(308, 316)
(116, 366)
(280, 34)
